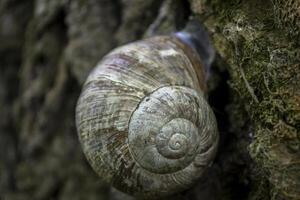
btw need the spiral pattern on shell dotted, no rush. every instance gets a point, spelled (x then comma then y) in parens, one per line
(143, 121)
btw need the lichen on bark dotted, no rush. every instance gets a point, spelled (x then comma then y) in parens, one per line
(261, 50)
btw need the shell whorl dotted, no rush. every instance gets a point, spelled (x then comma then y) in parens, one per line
(167, 128)
(143, 121)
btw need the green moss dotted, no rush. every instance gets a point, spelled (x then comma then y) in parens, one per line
(264, 67)
(287, 16)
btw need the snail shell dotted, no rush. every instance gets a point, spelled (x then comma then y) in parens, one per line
(143, 120)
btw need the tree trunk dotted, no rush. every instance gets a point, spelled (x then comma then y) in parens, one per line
(47, 49)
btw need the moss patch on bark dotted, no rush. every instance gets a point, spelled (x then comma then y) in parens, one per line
(262, 54)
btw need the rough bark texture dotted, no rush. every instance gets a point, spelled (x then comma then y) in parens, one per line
(259, 41)
(47, 48)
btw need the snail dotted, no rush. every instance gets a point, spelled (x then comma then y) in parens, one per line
(142, 117)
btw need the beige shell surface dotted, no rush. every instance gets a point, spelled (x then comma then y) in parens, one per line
(143, 121)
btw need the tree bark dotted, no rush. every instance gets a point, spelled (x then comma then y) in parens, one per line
(259, 41)
(47, 49)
